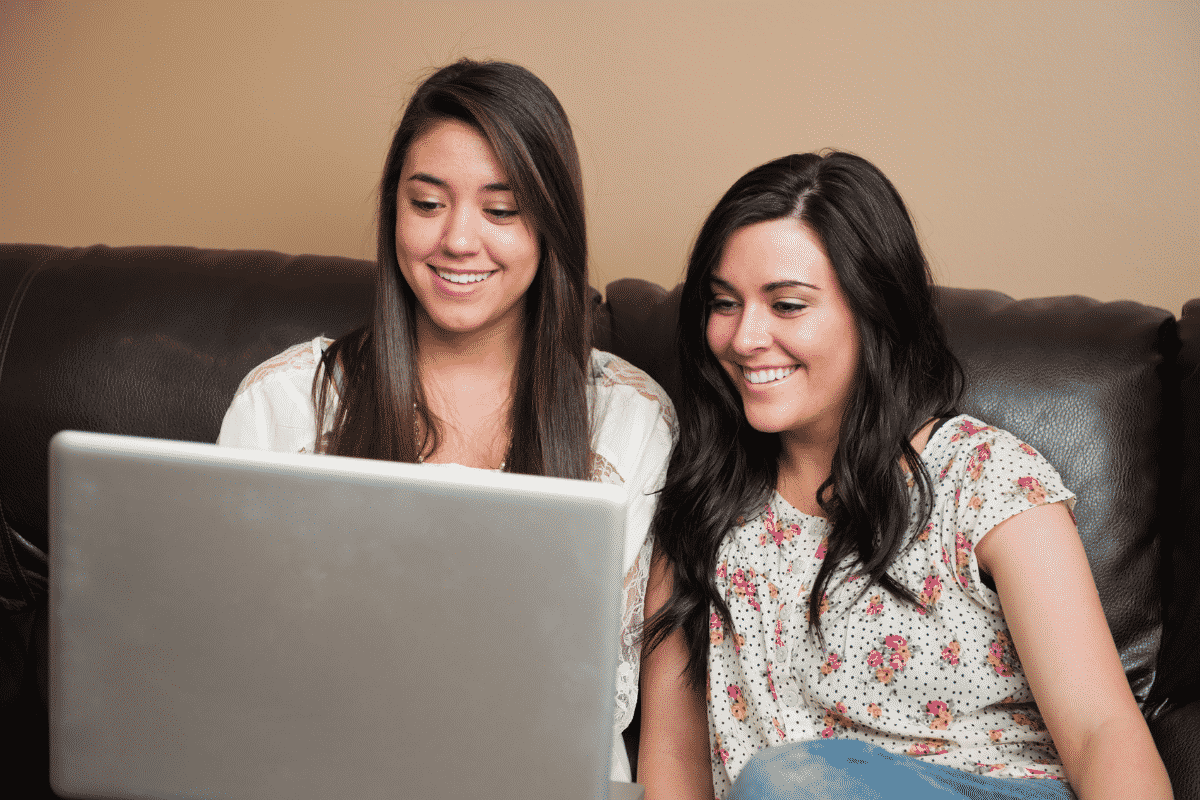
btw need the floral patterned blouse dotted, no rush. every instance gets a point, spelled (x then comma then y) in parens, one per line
(940, 680)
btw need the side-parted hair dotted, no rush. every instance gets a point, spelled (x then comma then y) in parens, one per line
(372, 372)
(723, 471)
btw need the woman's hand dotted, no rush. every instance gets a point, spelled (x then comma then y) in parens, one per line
(1066, 649)
(673, 760)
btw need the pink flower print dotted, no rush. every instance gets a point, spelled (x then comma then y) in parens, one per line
(929, 747)
(779, 729)
(833, 717)
(779, 633)
(980, 454)
(716, 633)
(1034, 492)
(931, 592)
(975, 503)
(738, 641)
(771, 682)
(820, 554)
(996, 659)
(1030, 720)
(875, 605)
(737, 703)
(969, 428)
(923, 535)
(778, 533)
(1027, 449)
(996, 734)
(962, 557)
(1002, 655)
(940, 712)
(946, 469)
(719, 751)
(989, 767)
(722, 570)
(831, 663)
(950, 653)
(772, 590)
(744, 587)
(874, 710)
(887, 664)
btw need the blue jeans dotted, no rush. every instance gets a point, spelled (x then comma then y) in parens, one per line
(845, 769)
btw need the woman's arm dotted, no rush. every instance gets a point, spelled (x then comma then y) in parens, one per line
(1066, 649)
(673, 761)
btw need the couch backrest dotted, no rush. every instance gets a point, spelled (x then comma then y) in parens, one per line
(153, 341)
(1077, 379)
(149, 341)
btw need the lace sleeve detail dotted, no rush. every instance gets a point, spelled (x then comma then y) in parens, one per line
(633, 604)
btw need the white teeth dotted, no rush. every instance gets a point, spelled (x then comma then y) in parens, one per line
(463, 277)
(767, 375)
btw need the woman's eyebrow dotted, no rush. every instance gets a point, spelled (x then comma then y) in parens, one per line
(717, 283)
(425, 177)
(773, 285)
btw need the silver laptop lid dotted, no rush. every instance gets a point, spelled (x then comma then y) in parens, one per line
(229, 623)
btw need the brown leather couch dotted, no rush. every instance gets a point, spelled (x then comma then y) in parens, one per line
(152, 341)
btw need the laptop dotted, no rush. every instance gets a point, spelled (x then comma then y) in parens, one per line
(228, 623)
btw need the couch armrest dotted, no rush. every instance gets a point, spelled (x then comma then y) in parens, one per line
(1177, 734)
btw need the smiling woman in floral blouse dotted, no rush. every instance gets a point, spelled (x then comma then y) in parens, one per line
(842, 556)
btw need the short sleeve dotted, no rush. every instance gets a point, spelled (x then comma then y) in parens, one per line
(273, 406)
(990, 476)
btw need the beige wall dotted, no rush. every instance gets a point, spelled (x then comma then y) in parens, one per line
(1043, 148)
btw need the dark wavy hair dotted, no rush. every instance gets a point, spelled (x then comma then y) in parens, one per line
(373, 370)
(723, 471)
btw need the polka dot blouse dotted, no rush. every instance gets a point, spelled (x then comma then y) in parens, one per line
(940, 680)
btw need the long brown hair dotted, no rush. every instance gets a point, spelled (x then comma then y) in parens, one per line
(372, 372)
(723, 470)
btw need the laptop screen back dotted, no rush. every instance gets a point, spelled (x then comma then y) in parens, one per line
(242, 624)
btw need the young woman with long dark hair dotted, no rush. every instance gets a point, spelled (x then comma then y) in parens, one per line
(841, 555)
(478, 353)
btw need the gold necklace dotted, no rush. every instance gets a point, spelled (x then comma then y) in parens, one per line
(421, 455)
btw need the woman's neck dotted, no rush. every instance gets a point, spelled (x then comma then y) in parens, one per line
(468, 381)
(804, 464)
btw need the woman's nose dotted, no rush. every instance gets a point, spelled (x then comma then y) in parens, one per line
(461, 237)
(753, 331)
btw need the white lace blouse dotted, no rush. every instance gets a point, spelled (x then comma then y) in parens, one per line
(633, 429)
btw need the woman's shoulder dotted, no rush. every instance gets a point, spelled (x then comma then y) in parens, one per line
(298, 361)
(613, 375)
(966, 433)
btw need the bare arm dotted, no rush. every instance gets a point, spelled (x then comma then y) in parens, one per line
(1066, 649)
(673, 761)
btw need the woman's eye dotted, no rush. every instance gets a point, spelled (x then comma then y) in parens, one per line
(426, 206)
(789, 307)
(722, 305)
(503, 213)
